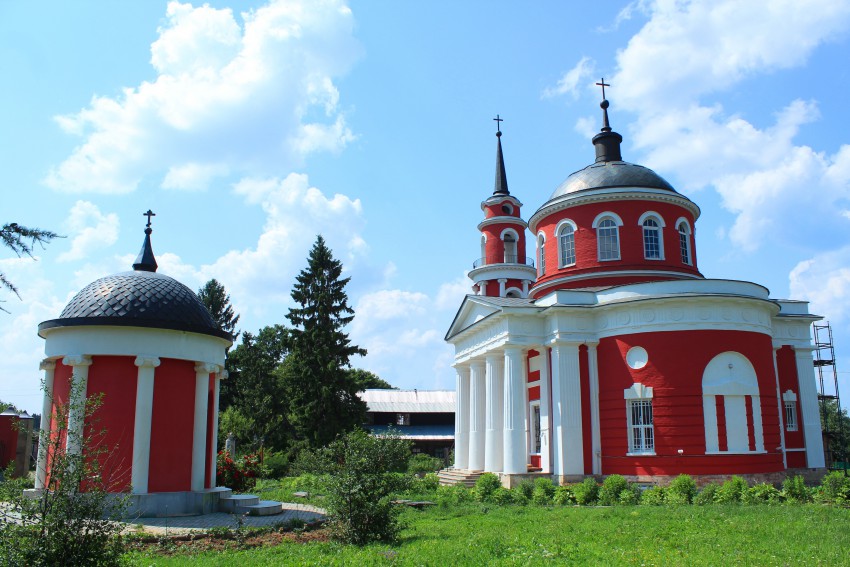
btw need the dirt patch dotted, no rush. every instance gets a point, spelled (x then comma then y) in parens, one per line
(199, 543)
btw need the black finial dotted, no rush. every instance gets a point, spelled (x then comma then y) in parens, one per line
(145, 261)
(501, 177)
(607, 142)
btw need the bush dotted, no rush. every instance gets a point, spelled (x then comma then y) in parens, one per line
(240, 473)
(630, 496)
(430, 482)
(502, 496)
(276, 465)
(681, 490)
(794, 489)
(762, 493)
(586, 492)
(541, 496)
(526, 488)
(732, 491)
(707, 494)
(519, 496)
(486, 484)
(612, 486)
(564, 496)
(422, 463)
(835, 487)
(362, 474)
(652, 496)
(452, 495)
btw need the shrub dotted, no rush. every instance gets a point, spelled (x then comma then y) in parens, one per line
(502, 496)
(612, 486)
(835, 487)
(707, 494)
(240, 473)
(486, 484)
(452, 495)
(360, 480)
(762, 493)
(519, 496)
(422, 463)
(564, 496)
(732, 491)
(543, 491)
(681, 490)
(794, 489)
(586, 492)
(430, 482)
(526, 487)
(630, 496)
(276, 464)
(652, 496)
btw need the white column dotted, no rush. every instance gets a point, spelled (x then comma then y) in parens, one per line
(545, 412)
(780, 408)
(525, 288)
(199, 437)
(809, 406)
(214, 447)
(758, 428)
(142, 426)
(482, 288)
(596, 440)
(476, 416)
(493, 443)
(515, 449)
(49, 367)
(502, 282)
(462, 418)
(568, 454)
(77, 401)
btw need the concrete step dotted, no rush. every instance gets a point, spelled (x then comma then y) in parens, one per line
(458, 476)
(231, 503)
(262, 508)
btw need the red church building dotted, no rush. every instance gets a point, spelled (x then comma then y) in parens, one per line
(610, 352)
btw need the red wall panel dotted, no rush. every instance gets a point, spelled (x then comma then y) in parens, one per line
(786, 366)
(172, 427)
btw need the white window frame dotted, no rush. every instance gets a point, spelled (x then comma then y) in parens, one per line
(618, 222)
(510, 232)
(789, 399)
(559, 230)
(658, 229)
(541, 253)
(685, 238)
(639, 397)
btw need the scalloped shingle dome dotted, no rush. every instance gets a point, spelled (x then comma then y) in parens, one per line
(611, 174)
(138, 299)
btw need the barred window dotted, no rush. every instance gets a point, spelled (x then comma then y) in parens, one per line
(567, 242)
(651, 239)
(510, 249)
(535, 429)
(685, 242)
(790, 416)
(608, 240)
(641, 435)
(541, 255)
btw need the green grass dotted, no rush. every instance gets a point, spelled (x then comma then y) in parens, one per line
(492, 535)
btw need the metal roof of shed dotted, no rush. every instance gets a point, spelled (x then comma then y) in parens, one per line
(409, 401)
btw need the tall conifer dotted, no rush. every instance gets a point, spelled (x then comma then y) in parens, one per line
(216, 299)
(323, 399)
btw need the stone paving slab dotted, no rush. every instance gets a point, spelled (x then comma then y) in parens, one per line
(188, 524)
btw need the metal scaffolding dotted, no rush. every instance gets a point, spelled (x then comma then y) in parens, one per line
(828, 394)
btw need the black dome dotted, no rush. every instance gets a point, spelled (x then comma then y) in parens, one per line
(138, 299)
(611, 174)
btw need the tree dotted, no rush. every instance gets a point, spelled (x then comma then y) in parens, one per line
(217, 301)
(322, 395)
(366, 380)
(253, 387)
(21, 240)
(837, 422)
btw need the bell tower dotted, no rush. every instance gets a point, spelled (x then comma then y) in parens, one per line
(503, 270)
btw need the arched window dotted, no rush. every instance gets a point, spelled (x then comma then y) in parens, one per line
(484, 248)
(567, 244)
(685, 241)
(608, 239)
(651, 239)
(510, 248)
(731, 405)
(541, 254)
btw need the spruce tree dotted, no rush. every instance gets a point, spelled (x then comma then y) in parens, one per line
(322, 395)
(217, 301)
(21, 241)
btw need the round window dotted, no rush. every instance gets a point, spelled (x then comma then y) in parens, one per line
(637, 357)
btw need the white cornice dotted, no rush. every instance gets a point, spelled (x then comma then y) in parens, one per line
(614, 273)
(508, 271)
(611, 194)
(502, 220)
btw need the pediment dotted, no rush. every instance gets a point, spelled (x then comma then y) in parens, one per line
(471, 311)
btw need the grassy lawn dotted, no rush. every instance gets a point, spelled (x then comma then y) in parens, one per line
(476, 534)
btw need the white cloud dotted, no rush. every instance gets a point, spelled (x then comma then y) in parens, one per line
(824, 280)
(91, 230)
(252, 99)
(569, 83)
(452, 293)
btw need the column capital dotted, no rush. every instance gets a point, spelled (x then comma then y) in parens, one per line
(476, 363)
(513, 350)
(77, 360)
(223, 375)
(47, 364)
(144, 361)
(207, 368)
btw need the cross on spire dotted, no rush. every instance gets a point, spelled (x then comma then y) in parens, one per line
(603, 84)
(499, 123)
(149, 214)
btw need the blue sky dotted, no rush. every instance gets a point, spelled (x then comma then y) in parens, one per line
(251, 127)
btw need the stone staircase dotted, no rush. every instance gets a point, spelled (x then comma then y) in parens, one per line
(458, 476)
(248, 504)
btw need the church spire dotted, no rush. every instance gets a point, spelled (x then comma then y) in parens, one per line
(145, 262)
(501, 187)
(607, 142)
